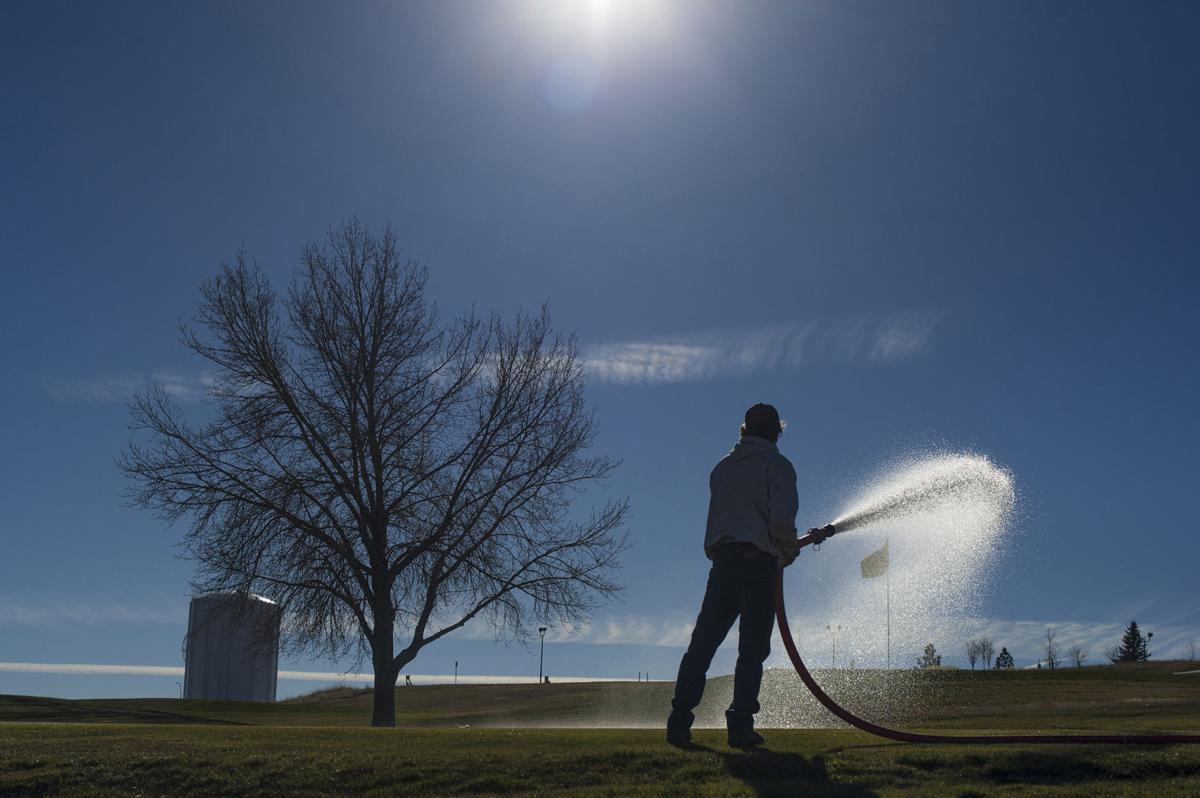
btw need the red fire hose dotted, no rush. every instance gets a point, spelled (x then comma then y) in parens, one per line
(916, 737)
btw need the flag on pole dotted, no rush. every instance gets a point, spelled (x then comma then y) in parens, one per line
(875, 564)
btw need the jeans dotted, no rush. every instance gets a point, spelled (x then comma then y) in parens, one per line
(741, 582)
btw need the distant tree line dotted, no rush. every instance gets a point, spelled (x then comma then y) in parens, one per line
(1134, 647)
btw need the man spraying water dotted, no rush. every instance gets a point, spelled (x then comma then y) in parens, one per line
(750, 534)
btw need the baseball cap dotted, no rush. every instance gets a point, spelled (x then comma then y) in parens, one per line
(763, 418)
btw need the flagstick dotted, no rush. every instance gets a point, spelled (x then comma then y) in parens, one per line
(887, 575)
(887, 674)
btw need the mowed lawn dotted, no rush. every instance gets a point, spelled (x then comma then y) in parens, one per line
(121, 759)
(319, 745)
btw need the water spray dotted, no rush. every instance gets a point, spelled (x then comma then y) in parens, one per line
(924, 488)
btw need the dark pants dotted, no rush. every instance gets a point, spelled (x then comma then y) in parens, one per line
(740, 583)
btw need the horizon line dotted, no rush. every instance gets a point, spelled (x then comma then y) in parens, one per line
(95, 669)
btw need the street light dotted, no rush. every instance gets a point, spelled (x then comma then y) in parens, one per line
(542, 655)
(833, 630)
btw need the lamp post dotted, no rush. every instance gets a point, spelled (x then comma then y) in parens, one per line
(833, 630)
(542, 655)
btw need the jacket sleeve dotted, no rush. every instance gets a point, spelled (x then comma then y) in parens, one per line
(783, 503)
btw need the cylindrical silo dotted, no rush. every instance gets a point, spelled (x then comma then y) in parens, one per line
(232, 647)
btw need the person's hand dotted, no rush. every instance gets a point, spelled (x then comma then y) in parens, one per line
(820, 534)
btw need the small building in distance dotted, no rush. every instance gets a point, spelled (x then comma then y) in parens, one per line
(231, 651)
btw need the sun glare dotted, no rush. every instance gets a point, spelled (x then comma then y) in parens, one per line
(602, 23)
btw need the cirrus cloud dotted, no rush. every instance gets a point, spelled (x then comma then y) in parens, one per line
(715, 354)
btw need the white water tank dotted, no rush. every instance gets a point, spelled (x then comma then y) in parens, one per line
(232, 647)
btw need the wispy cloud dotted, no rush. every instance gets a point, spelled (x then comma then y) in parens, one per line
(88, 613)
(1024, 638)
(672, 629)
(90, 669)
(93, 669)
(711, 354)
(679, 358)
(122, 387)
(902, 336)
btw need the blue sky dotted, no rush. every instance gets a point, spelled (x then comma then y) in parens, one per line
(906, 225)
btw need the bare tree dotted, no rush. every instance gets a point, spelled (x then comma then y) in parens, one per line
(987, 650)
(1191, 650)
(385, 475)
(972, 649)
(1078, 654)
(1051, 649)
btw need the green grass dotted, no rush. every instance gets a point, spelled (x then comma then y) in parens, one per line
(317, 744)
(124, 759)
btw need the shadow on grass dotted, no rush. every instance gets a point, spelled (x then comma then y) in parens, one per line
(38, 709)
(775, 774)
(1046, 768)
(1052, 766)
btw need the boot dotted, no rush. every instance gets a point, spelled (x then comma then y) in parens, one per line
(679, 730)
(741, 730)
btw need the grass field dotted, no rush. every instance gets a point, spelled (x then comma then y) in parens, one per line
(317, 746)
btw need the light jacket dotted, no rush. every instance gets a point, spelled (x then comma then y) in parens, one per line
(752, 499)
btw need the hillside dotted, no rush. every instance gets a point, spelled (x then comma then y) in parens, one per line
(1146, 697)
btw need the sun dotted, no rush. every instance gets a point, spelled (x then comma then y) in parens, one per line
(603, 24)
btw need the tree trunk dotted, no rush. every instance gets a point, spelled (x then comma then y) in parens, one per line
(383, 712)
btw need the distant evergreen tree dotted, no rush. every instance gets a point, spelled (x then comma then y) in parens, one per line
(930, 659)
(1133, 646)
(1004, 660)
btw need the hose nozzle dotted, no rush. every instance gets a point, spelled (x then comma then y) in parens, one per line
(818, 535)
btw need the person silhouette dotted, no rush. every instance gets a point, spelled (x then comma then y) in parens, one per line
(749, 535)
